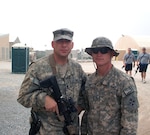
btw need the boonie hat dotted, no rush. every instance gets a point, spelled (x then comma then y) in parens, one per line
(63, 34)
(100, 42)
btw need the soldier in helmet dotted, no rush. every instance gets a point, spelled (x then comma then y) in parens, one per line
(112, 94)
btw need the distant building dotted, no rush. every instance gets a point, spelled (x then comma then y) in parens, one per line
(135, 43)
(75, 54)
(6, 45)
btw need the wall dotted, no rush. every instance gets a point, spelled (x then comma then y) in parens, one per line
(4, 47)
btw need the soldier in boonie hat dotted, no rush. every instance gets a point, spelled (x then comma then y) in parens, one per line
(108, 90)
(63, 34)
(101, 42)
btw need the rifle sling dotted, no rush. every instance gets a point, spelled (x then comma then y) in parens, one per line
(142, 57)
(52, 63)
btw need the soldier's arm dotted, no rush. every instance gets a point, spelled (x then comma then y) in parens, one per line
(134, 60)
(82, 98)
(129, 109)
(138, 60)
(30, 94)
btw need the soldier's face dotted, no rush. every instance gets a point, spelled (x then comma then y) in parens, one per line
(102, 59)
(62, 47)
(144, 50)
(129, 50)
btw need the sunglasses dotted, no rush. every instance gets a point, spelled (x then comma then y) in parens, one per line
(102, 50)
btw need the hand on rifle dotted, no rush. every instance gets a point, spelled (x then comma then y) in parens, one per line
(51, 104)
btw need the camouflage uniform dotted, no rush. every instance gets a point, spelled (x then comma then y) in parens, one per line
(113, 104)
(83, 102)
(31, 95)
(111, 99)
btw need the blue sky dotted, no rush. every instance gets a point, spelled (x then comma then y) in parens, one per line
(34, 20)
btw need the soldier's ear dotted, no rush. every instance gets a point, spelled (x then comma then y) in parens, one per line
(111, 54)
(52, 44)
(72, 45)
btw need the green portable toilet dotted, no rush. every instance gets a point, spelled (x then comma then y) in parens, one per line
(136, 53)
(20, 58)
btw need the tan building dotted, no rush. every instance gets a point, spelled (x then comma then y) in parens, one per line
(6, 46)
(135, 43)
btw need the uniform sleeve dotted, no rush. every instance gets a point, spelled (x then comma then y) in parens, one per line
(82, 98)
(129, 109)
(30, 94)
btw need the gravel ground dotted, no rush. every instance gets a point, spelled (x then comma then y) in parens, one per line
(14, 118)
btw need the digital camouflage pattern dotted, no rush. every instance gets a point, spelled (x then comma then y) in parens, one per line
(63, 34)
(101, 42)
(31, 96)
(83, 102)
(113, 104)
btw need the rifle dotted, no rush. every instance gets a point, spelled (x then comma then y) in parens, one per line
(123, 66)
(138, 67)
(65, 106)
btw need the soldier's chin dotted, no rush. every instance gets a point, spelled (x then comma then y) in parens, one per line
(65, 53)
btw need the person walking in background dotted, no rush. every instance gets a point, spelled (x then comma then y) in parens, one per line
(142, 61)
(69, 76)
(111, 94)
(128, 60)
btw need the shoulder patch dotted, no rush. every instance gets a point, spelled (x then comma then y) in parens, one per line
(128, 91)
(131, 102)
